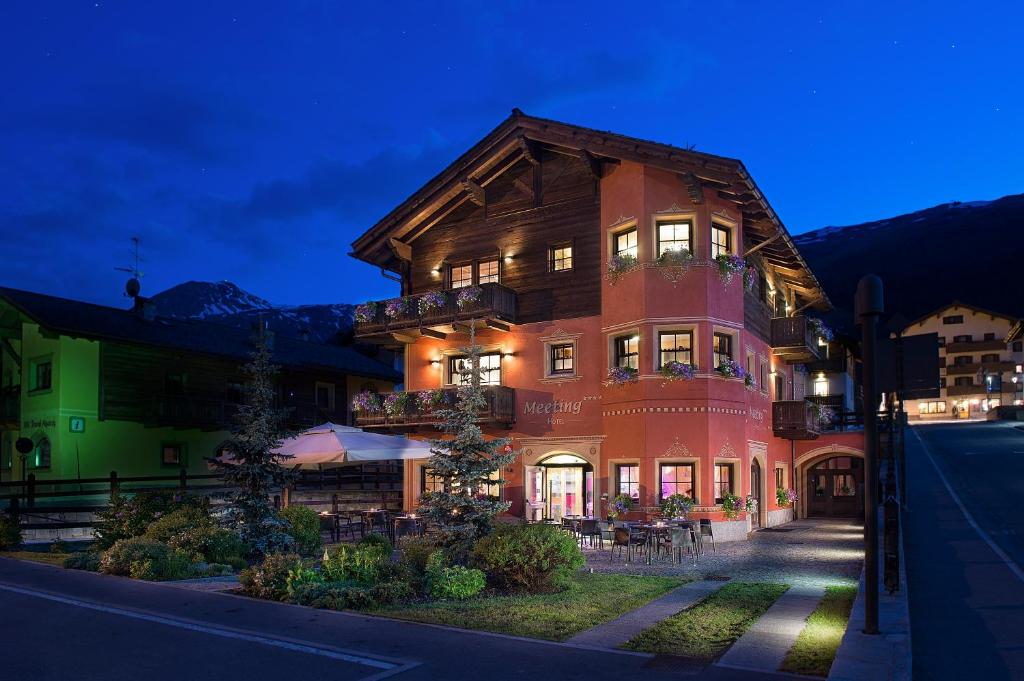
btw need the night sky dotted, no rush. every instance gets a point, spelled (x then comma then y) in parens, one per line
(254, 141)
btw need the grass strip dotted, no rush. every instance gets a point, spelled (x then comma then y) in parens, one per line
(589, 600)
(37, 556)
(816, 646)
(706, 630)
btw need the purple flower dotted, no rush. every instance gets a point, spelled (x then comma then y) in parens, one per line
(367, 312)
(396, 307)
(469, 295)
(675, 371)
(620, 375)
(435, 300)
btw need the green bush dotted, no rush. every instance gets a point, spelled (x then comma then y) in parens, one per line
(130, 516)
(83, 561)
(528, 558)
(452, 581)
(304, 527)
(362, 564)
(413, 555)
(143, 559)
(299, 577)
(10, 533)
(191, 530)
(377, 539)
(269, 579)
(335, 596)
(60, 546)
(176, 522)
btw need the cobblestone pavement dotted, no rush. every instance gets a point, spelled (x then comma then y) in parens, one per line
(814, 553)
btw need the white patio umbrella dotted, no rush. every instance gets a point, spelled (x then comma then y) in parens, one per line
(331, 443)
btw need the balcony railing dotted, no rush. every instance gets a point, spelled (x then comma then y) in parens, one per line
(795, 420)
(10, 404)
(496, 303)
(792, 340)
(975, 367)
(974, 346)
(500, 408)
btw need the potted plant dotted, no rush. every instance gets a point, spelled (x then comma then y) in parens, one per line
(429, 400)
(750, 504)
(749, 279)
(622, 375)
(824, 414)
(395, 403)
(785, 497)
(730, 369)
(366, 401)
(678, 371)
(620, 263)
(434, 300)
(675, 257)
(395, 308)
(620, 505)
(732, 505)
(366, 312)
(676, 506)
(729, 266)
(469, 295)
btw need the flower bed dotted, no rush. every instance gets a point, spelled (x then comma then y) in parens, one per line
(619, 264)
(366, 401)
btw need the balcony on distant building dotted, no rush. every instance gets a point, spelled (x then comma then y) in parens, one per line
(795, 420)
(402, 318)
(954, 347)
(500, 409)
(792, 340)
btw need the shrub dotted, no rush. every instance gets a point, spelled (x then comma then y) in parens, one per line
(300, 576)
(128, 517)
(269, 580)
(413, 555)
(143, 559)
(377, 539)
(334, 596)
(452, 581)
(60, 546)
(531, 558)
(83, 561)
(191, 530)
(180, 520)
(303, 524)
(362, 564)
(211, 570)
(10, 532)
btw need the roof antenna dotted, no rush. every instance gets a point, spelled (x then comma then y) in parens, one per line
(133, 286)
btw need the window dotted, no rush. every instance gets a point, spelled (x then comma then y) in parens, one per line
(430, 482)
(560, 258)
(675, 346)
(721, 240)
(41, 454)
(627, 479)
(723, 481)
(966, 338)
(962, 360)
(942, 381)
(722, 347)
(780, 477)
(780, 386)
(625, 243)
(763, 377)
(324, 396)
(460, 371)
(990, 336)
(627, 351)
(40, 374)
(964, 380)
(1018, 346)
(674, 236)
(749, 367)
(942, 341)
(953, 319)
(562, 358)
(172, 454)
(931, 407)
(821, 386)
(989, 357)
(676, 478)
(461, 276)
(488, 272)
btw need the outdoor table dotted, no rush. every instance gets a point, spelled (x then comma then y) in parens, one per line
(333, 517)
(375, 518)
(411, 521)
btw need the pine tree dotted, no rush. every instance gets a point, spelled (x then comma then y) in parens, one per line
(252, 469)
(465, 463)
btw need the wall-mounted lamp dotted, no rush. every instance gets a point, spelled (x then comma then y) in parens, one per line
(508, 259)
(436, 272)
(435, 363)
(508, 354)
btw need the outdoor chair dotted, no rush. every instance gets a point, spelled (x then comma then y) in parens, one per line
(406, 527)
(638, 539)
(570, 525)
(620, 539)
(607, 530)
(329, 524)
(681, 539)
(589, 530)
(706, 531)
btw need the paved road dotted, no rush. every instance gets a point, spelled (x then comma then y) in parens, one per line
(966, 585)
(61, 624)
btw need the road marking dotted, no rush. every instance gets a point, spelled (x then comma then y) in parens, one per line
(294, 646)
(1010, 563)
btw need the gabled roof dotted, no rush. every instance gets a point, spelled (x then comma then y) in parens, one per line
(97, 322)
(967, 306)
(521, 136)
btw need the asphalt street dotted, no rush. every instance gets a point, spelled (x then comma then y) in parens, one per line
(963, 532)
(62, 624)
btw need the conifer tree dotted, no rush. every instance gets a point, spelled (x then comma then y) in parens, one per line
(252, 469)
(465, 462)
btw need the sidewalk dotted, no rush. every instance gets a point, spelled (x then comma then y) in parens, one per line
(764, 646)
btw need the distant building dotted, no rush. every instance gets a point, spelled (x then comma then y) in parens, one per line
(99, 389)
(975, 359)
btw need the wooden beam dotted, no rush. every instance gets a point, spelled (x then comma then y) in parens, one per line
(475, 192)
(431, 333)
(402, 251)
(494, 324)
(526, 189)
(761, 245)
(403, 338)
(530, 149)
(694, 187)
(594, 163)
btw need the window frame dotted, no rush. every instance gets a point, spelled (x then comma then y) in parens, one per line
(716, 355)
(717, 483)
(37, 455)
(478, 275)
(665, 221)
(617, 356)
(660, 353)
(692, 465)
(625, 232)
(730, 239)
(617, 468)
(553, 259)
(780, 477)
(182, 448)
(34, 365)
(332, 401)
(451, 275)
(953, 319)
(451, 374)
(552, 349)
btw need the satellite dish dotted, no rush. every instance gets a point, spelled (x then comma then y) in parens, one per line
(24, 445)
(132, 287)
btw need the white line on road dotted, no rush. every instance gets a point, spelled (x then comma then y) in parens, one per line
(1010, 563)
(294, 646)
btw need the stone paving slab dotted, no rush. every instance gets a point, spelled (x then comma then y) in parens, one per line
(766, 642)
(205, 583)
(617, 632)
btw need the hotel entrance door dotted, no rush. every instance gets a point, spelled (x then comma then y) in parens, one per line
(559, 486)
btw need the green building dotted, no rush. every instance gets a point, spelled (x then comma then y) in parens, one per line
(99, 389)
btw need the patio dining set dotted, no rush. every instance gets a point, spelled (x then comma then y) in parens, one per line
(355, 525)
(670, 539)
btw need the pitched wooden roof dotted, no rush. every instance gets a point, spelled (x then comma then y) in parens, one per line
(957, 304)
(521, 136)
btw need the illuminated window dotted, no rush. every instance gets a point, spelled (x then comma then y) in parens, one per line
(461, 275)
(562, 358)
(821, 386)
(460, 371)
(675, 346)
(430, 482)
(763, 376)
(676, 478)
(625, 243)
(488, 272)
(721, 241)
(627, 352)
(172, 454)
(931, 407)
(723, 481)
(628, 479)
(722, 346)
(673, 236)
(560, 258)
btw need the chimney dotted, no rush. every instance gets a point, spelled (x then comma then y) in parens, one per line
(144, 308)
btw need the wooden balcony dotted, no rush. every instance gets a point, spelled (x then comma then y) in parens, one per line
(10, 406)
(500, 409)
(974, 346)
(795, 420)
(965, 390)
(792, 340)
(975, 367)
(495, 308)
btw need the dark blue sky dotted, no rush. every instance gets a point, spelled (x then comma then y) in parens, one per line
(253, 141)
